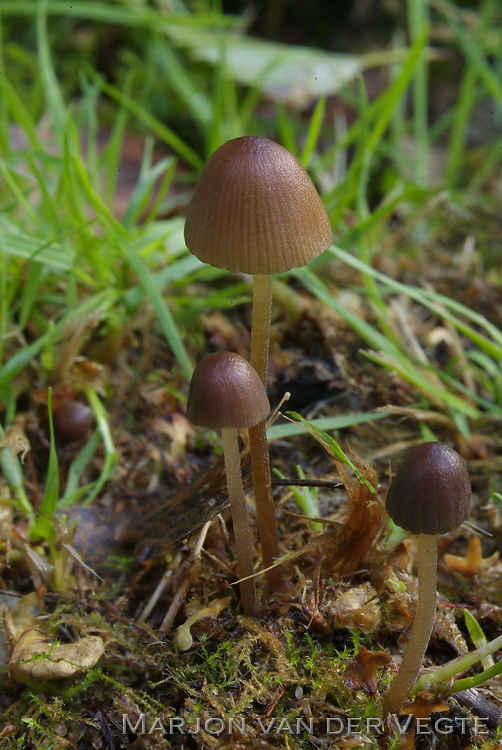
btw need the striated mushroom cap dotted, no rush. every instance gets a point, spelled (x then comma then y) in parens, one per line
(226, 391)
(431, 492)
(255, 210)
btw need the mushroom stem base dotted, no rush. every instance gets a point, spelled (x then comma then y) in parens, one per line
(422, 626)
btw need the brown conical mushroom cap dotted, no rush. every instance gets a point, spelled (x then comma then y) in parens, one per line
(255, 210)
(431, 492)
(225, 391)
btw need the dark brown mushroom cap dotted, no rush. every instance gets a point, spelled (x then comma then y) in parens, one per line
(226, 391)
(255, 210)
(431, 492)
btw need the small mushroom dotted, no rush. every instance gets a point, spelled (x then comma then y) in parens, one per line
(72, 419)
(430, 495)
(227, 394)
(255, 210)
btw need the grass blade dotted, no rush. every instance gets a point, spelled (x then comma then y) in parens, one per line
(332, 447)
(44, 524)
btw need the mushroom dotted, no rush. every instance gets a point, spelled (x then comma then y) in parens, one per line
(430, 495)
(72, 420)
(227, 394)
(255, 210)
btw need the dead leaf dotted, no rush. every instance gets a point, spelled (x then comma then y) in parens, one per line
(33, 656)
(226, 333)
(344, 548)
(400, 557)
(21, 616)
(75, 333)
(425, 705)
(361, 672)
(446, 628)
(357, 608)
(287, 73)
(14, 438)
(177, 429)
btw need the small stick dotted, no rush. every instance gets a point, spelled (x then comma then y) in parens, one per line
(191, 568)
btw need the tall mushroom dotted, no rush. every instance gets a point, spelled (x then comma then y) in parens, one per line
(255, 210)
(227, 394)
(430, 495)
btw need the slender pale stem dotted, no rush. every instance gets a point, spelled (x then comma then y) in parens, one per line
(243, 539)
(258, 445)
(422, 626)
